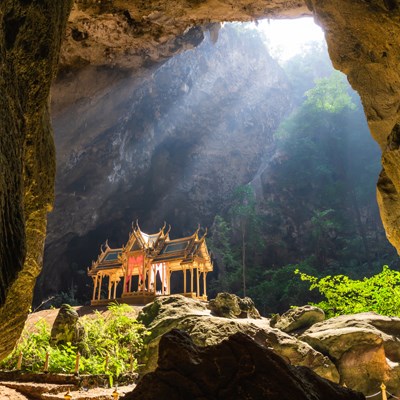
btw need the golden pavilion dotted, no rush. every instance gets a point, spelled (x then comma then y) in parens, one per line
(142, 269)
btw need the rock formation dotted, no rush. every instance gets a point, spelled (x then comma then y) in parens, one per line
(171, 148)
(363, 40)
(67, 328)
(366, 51)
(298, 318)
(30, 39)
(193, 317)
(229, 305)
(233, 369)
(361, 350)
(365, 348)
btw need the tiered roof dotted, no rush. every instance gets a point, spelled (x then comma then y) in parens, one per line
(108, 259)
(157, 246)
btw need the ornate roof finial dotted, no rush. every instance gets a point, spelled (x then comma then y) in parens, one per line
(205, 234)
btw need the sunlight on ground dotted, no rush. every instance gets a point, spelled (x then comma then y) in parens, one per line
(286, 38)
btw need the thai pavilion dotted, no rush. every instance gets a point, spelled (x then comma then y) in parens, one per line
(142, 269)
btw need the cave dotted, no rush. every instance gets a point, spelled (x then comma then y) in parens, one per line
(115, 40)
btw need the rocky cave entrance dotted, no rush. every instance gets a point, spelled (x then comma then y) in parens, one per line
(183, 140)
(363, 43)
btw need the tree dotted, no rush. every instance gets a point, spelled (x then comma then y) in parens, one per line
(379, 293)
(244, 213)
(330, 94)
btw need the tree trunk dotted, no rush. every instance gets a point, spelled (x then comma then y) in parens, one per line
(361, 229)
(244, 258)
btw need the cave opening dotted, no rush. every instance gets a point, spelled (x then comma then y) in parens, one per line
(240, 119)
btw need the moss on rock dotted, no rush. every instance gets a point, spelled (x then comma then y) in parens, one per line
(30, 41)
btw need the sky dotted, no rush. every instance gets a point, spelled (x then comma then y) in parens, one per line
(286, 37)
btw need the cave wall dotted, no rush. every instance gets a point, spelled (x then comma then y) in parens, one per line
(362, 36)
(30, 39)
(363, 40)
(172, 147)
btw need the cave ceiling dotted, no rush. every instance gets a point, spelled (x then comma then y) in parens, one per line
(363, 38)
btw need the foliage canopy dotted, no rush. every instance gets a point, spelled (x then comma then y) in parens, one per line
(379, 293)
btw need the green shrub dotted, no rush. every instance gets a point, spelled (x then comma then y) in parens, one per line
(379, 293)
(115, 334)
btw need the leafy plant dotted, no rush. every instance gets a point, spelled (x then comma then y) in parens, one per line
(379, 293)
(114, 335)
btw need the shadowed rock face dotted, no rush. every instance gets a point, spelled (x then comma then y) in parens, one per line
(363, 40)
(362, 37)
(237, 368)
(30, 39)
(172, 147)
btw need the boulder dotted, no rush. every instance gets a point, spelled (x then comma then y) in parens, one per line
(233, 369)
(193, 317)
(299, 318)
(66, 327)
(231, 306)
(365, 348)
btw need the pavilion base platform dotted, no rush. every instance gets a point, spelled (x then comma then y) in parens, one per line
(140, 298)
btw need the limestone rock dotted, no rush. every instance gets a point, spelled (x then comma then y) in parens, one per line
(363, 41)
(30, 39)
(132, 35)
(192, 316)
(299, 318)
(233, 369)
(136, 35)
(66, 327)
(231, 306)
(155, 135)
(164, 312)
(365, 348)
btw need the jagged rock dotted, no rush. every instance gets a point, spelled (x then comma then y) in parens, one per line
(365, 348)
(298, 318)
(192, 316)
(229, 305)
(237, 368)
(66, 327)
